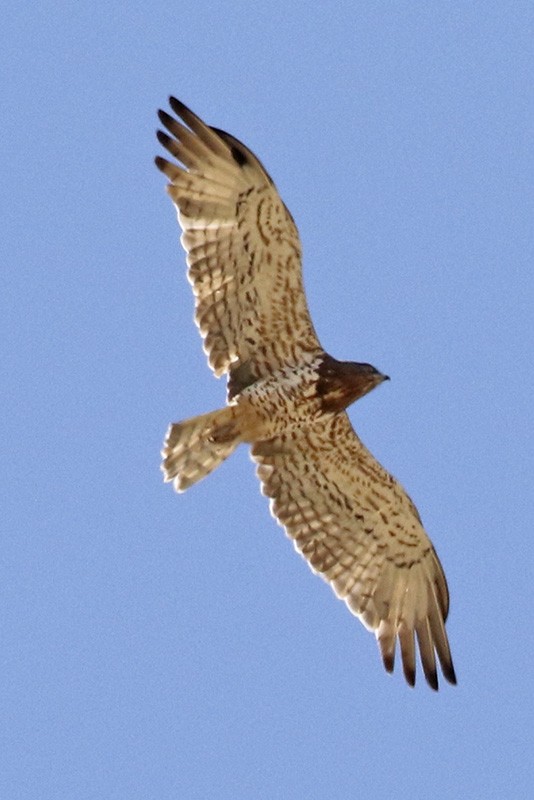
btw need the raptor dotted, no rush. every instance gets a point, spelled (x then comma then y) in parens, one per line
(348, 517)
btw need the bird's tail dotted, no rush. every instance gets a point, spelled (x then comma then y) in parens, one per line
(194, 448)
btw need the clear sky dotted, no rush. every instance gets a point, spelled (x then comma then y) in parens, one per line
(164, 646)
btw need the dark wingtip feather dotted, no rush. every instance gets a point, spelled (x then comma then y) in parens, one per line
(164, 139)
(389, 661)
(188, 116)
(409, 675)
(165, 118)
(160, 163)
(177, 106)
(432, 679)
(449, 673)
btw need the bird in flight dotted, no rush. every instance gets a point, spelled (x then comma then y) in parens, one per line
(286, 397)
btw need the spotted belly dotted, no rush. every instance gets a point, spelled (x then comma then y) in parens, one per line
(286, 399)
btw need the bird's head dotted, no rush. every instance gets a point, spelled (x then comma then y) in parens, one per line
(340, 383)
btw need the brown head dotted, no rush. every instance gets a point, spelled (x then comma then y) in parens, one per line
(340, 383)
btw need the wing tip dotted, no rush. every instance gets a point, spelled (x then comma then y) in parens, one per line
(178, 107)
(409, 675)
(388, 659)
(409, 666)
(161, 163)
(431, 677)
(163, 138)
(165, 118)
(449, 673)
(447, 670)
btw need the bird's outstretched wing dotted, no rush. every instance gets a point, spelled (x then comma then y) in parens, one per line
(243, 252)
(359, 530)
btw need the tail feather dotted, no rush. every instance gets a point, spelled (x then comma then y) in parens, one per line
(195, 447)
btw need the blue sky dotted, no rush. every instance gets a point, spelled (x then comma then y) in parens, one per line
(164, 646)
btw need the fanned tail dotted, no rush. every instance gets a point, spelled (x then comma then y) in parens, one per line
(195, 447)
